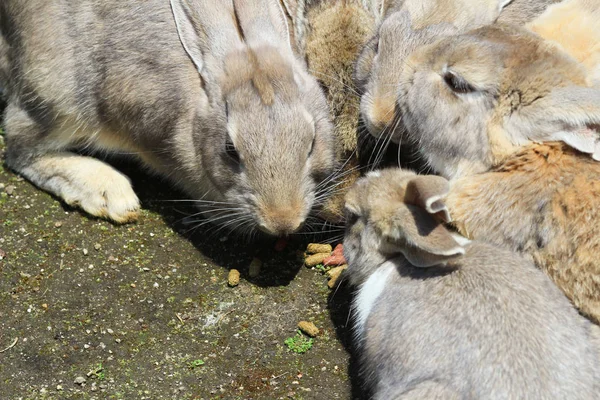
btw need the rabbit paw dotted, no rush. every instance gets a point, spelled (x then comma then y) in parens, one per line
(85, 182)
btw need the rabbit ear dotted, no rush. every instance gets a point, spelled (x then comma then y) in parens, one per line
(569, 114)
(503, 3)
(428, 192)
(416, 230)
(263, 22)
(424, 241)
(206, 28)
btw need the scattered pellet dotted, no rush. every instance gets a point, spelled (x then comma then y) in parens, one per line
(308, 328)
(315, 259)
(314, 248)
(233, 279)
(334, 274)
(254, 268)
(335, 260)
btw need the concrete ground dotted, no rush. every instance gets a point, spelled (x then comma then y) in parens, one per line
(92, 310)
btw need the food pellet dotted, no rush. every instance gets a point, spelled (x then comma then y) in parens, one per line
(233, 279)
(315, 259)
(334, 275)
(335, 260)
(254, 268)
(314, 248)
(309, 328)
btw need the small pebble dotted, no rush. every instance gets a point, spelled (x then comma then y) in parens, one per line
(97, 246)
(315, 259)
(80, 380)
(309, 328)
(254, 269)
(314, 248)
(234, 278)
(9, 190)
(57, 224)
(85, 252)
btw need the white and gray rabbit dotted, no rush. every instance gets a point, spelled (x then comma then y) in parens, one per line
(205, 93)
(441, 317)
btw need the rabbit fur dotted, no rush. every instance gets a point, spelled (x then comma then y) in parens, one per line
(330, 34)
(407, 25)
(207, 94)
(442, 317)
(512, 120)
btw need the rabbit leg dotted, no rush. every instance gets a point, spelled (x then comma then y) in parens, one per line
(81, 181)
(429, 390)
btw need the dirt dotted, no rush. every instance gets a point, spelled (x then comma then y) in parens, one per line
(144, 311)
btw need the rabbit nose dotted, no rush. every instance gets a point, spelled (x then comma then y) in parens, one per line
(381, 113)
(281, 222)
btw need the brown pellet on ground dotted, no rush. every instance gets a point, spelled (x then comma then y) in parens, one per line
(334, 274)
(308, 328)
(315, 259)
(254, 268)
(314, 248)
(233, 279)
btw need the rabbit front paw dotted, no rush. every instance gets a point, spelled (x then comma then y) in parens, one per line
(85, 182)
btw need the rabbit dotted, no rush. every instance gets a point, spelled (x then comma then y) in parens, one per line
(438, 316)
(512, 120)
(407, 25)
(574, 25)
(207, 94)
(329, 34)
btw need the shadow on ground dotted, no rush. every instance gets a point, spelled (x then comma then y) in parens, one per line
(143, 311)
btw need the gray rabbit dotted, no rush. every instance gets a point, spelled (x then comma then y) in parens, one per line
(205, 93)
(406, 25)
(441, 317)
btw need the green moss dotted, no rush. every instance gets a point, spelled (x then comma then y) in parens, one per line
(299, 344)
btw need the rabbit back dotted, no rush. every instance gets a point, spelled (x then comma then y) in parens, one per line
(491, 328)
(111, 66)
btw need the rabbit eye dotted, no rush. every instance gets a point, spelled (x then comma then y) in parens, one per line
(231, 151)
(457, 83)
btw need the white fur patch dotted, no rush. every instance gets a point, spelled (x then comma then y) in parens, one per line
(368, 293)
(460, 239)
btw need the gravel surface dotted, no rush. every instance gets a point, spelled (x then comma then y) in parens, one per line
(92, 310)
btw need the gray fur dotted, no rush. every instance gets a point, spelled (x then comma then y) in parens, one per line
(483, 325)
(405, 26)
(115, 76)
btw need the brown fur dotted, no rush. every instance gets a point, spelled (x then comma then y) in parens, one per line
(544, 201)
(336, 31)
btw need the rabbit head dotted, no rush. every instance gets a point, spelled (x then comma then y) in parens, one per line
(266, 139)
(470, 101)
(404, 28)
(392, 212)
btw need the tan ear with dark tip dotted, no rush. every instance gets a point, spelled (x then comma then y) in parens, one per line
(424, 241)
(428, 192)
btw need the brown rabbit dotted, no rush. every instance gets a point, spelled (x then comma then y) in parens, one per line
(512, 120)
(405, 26)
(441, 317)
(330, 34)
